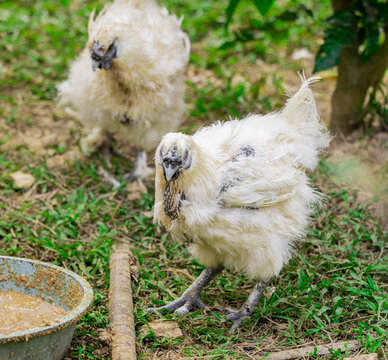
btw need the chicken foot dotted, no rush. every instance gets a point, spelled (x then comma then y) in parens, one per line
(141, 170)
(101, 140)
(191, 297)
(107, 149)
(248, 307)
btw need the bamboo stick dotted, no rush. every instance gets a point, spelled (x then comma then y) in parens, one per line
(320, 350)
(121, 316)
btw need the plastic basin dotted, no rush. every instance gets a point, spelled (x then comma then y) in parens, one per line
(55, 285)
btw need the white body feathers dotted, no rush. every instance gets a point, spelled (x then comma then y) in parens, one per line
(145, 83)
(246, 198)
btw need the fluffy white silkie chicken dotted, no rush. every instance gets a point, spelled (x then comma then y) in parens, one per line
(238, 193)
(129, 80)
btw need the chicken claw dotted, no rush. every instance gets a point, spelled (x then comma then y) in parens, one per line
(191, 297)
(181, 306)
(237, 316)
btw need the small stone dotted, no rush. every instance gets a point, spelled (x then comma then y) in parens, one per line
(161, 328)
(22, 180)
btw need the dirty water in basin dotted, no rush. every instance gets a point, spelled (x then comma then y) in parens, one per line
(20, 311)
(55, 285)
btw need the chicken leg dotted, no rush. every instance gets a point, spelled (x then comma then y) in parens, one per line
(107, 149)
(248, 307)
(99, 139)
(141, 170)
(191, 297)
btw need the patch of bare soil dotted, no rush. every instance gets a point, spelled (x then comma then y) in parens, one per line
(361, 164)
(41, 127)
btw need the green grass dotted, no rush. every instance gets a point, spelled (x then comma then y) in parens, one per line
(333, 289)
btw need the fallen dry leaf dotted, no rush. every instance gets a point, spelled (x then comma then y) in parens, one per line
(161, 328)
(68, 158)
(104, 352)
(148, 214)
(104, 336)
(22, 180)
(135, 190)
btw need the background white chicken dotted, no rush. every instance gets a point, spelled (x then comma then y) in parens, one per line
(129, 80)
(239, 194)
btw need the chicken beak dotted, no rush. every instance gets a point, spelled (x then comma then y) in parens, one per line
(170, 172)
(107, 63)
(101, 60)
(110, 54)
(96, 65)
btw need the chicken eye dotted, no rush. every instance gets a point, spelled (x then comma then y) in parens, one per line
(172, 162)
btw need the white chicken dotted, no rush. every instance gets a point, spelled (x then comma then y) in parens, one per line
(238, 193)
(129, 80)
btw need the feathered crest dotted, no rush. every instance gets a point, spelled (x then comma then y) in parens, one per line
(93, 18)
(309, 81)
(301, 106)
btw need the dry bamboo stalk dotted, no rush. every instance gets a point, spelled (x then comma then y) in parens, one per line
(122, 323)
(306, 351)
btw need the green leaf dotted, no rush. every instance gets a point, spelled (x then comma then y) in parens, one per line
(230, 11)
(330, 51)
(263, 5)
(306, 10)
(288, 16)
(227, 45)
(328, 56)
(372, 39)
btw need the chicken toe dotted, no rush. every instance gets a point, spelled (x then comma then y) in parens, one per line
(191, 297)
(237, 316)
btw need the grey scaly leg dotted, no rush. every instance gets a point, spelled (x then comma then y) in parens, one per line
(191, 297)
(248, 308)
(141, 170)
(106, 149)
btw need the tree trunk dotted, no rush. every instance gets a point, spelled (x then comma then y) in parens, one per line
(348, 98)
(355, 77)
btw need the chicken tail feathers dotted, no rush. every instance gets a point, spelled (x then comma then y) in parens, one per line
(301, 106)
(301, 112)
